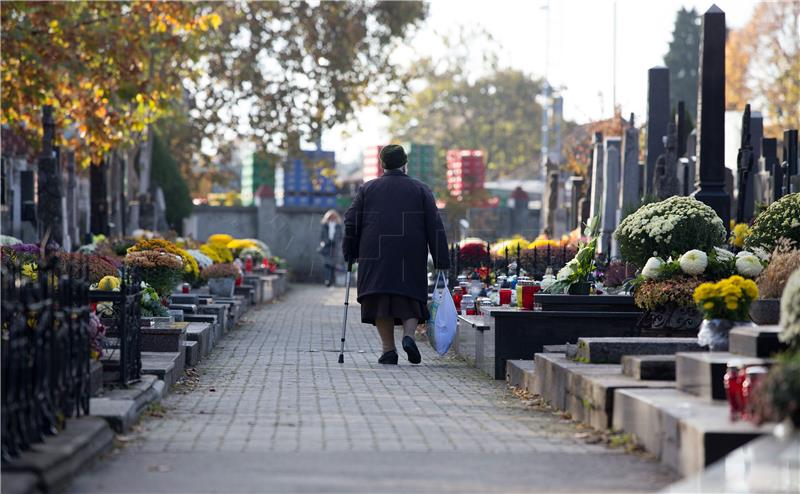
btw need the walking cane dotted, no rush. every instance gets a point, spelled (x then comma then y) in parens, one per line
(346, 304)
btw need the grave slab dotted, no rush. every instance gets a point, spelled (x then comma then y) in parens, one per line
(611, 350)
(554, 349)
(760, 341)
(701, 374)
(167, 366)
(163, 337)
(767, 464)
(685, 432)
(185, 298)
(192, 350)
(201, 333)
(649, 367)
(122, 407)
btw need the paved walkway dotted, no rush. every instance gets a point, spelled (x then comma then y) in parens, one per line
(275, 412)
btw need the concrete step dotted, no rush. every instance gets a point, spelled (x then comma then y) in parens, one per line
(701, 374)
(192, 353)
(767, 464)
(167, 366)
(122, 407)
(685, 432)
(611, 350)
(759, 341)
(519, 373)
(56, 460)
(554, 349)
(649, 367)
(586, 391)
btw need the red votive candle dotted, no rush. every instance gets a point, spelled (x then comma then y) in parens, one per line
(505, 296)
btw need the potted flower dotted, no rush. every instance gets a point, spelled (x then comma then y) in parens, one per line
(723, 304)
(576, 277)
(771, 282)
(780, 220)
(160, 269)
(221, 278)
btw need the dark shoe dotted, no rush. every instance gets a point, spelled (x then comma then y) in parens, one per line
(389, 358)
(411, 349)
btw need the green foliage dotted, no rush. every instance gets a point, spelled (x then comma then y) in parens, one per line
(683, 59)
(780, 220)
(669, 228)
(495, 112)
(165, 173)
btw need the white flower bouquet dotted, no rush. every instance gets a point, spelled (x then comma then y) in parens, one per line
(669, 228)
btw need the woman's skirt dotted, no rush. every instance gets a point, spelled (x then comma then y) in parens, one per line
(390, 306)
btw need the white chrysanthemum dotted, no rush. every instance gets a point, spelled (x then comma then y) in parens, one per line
(761, 253)
(652, 268)
(693, 262)
(723, 254)
(790, 310)
(749, 266)
(564, 273)
(744, 253)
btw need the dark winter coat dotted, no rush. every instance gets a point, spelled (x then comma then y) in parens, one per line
(389, 228)
(327, 247)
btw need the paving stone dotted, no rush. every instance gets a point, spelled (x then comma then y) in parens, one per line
(274, 411)
(649, 367)
(611, 350)
(759, 341)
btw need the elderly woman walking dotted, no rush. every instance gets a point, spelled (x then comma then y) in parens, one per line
(389, 228)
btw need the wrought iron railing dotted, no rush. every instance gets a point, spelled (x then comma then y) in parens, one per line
(45, 354)
(534, 262)
(120, 312)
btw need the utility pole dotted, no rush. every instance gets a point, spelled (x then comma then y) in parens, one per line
(546, 102)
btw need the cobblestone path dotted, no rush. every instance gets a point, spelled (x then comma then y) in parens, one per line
(275, 412)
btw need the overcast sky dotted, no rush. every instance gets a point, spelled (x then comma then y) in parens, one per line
(581, 48)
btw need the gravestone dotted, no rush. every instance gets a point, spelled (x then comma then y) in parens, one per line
(550, 202)
(629, 194)
(711, 116)
(666, 182)
(755, 183)
(769, 153)
(729, 187)
(577, 193)
(49, 210)
(744, 166)
(98, 198)
(791, 179)
(680, 124)
(597, 175)
(611, 173)
(657, 119)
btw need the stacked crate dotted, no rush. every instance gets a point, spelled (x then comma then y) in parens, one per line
(466, 171)
(300, 183)
(256, 172)
(421, 159)
(372, 168)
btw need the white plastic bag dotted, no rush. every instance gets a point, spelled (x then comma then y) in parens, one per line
(444, 319)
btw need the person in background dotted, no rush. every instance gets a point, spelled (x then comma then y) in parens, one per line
(330, 236)
(389, 228)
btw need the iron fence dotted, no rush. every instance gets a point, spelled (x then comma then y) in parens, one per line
(533, 262)
(120, 312)
(45, 354)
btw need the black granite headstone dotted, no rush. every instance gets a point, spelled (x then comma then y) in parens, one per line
(657, 120)
(790, 161)
(769, 150)
(711, 116)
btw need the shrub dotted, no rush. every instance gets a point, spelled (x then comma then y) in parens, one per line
(160, 269)
(790, 311)
(191, 271)
(785, 259)
(668, 229)
(655, 295)
(223, 270)
(780, 220)
(97, 267)
(217, 252)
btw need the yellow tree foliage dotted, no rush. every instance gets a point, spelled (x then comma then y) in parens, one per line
(763, 63)
(578, 141)
(108, 68)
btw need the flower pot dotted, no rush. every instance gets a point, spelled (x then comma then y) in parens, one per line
(765, 310)
(221, 287)
(714, 333)
(580, 288)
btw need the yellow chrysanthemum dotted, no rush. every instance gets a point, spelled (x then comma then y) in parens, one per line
(29, 270)
(708, 305)
(109, 283)
(221, 239)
